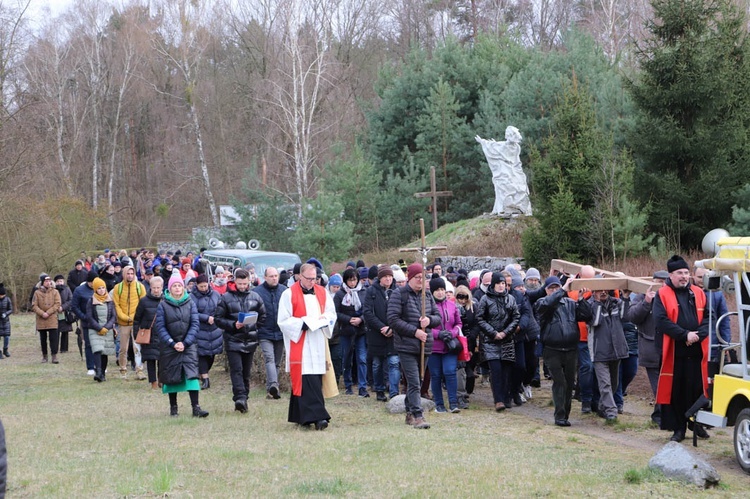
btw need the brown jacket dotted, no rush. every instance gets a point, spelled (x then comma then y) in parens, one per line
(46, 300)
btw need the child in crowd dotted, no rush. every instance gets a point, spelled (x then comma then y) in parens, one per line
(6, 308)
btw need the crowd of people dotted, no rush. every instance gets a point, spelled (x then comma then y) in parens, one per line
(387, 329)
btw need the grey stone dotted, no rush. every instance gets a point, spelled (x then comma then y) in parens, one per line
(396, 405)
(675, 461)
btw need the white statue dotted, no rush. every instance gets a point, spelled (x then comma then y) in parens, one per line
(504, 158)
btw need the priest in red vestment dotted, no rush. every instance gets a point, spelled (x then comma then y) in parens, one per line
(306, 318)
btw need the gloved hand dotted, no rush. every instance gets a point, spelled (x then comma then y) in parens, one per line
(445, 335)
(102, 331)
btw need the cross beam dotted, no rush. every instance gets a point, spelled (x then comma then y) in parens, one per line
(434, 194)
(611, 280)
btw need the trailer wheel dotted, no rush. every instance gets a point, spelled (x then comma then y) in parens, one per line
(742, 439)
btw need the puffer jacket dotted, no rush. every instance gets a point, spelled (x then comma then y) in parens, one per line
(498, 313)
(46, 300)
(450, 320)
(126, 297)
(145, 316)
(177, 323)
(269, 330)
(606, 336)
(528, 324)
(100, 315)
(558, 320)
(404, 311)
(210, 339)
(376, 317)
(233, 302)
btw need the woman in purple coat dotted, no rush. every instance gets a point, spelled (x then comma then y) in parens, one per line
(442, 363)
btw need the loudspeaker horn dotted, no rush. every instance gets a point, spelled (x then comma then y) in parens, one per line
(215, 243)
(253, 244)
(709, 241)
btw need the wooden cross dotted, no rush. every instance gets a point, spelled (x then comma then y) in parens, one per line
(434, 194)
(608, 281)
(423, 250)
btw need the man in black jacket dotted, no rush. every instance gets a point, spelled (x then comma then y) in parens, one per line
(412, 329)
(241, 340)
(380, 336)
(271, 337)
(558, 321)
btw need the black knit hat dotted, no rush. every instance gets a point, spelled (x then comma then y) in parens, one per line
(93, 274)
(676, 263)
(436, 283)
(2, 289)
(58, 277)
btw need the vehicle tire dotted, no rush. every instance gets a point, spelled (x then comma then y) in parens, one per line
(742, 440)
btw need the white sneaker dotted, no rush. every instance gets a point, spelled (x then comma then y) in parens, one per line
(523, 399)
(90, 372)
(527, 392)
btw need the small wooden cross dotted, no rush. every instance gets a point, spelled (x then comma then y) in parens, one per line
(434, 194)
(423, 250)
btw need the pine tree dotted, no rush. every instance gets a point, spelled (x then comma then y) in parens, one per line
(691, 137)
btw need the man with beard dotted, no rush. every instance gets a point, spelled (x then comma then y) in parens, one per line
(679, 315)
(271, 337)
(240, 339)
(306, 318)
(411, 329)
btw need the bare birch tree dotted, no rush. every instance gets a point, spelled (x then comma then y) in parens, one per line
(182, 45)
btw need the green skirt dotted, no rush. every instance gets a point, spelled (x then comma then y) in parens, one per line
(186, 386)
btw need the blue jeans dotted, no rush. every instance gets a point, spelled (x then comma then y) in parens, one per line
(628, 369)
(443, 365)
(379, 364)
(585, 372)
(348, 346)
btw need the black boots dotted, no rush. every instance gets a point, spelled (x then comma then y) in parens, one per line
(5, 352)
(173, 411)
(98, 376)
(197, 412)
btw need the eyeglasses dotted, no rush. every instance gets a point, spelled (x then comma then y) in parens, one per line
(462, 297)
(308, 279)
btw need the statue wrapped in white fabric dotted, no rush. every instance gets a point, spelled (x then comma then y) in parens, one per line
(504, 158)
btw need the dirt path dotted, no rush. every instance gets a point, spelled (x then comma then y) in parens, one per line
(633, 429)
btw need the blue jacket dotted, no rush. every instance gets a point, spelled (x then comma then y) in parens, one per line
(269, 330)
(81, 297)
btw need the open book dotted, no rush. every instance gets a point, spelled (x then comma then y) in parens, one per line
(248, 318)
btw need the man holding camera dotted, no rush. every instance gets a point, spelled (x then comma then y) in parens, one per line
(717, 306)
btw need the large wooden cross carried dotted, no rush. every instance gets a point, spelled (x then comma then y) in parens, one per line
(609, 280)
(434, 194)
(423, 250)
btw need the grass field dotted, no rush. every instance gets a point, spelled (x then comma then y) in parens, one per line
(68, 436)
